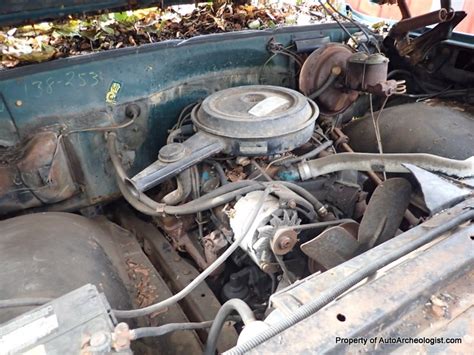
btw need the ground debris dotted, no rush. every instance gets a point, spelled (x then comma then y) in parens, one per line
(140, 275)
(75, 36)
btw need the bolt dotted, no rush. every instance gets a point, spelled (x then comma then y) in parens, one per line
(98, 339)
(265, 267)
(336, 70)
(19, 103)
(285, 243)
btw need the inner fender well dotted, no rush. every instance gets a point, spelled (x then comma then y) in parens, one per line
(416, 128)
(50, 254)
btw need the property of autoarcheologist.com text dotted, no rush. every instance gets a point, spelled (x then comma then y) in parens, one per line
(398, 340)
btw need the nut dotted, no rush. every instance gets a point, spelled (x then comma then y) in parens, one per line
(283, 241)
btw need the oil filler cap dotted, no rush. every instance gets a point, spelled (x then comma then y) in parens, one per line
(171, 152)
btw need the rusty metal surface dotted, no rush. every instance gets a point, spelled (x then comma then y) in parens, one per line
(316, 71)
(146, 286)
(201, 304)
(419, 296)
(365, 70)
(283, 241)
(369, 73)
(214, 245)
(178, 230)
(340, 136)
(409, 24)
(332, 247)
(384, 212)
(405, 11)
(305, 290)
(34, 173)
(416, 49)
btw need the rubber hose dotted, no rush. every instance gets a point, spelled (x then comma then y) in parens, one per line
(183, 189)
(213, 199)
(328, 296)
(150, 207)
(330, 80)
(203, 204)
(219, 170)
(309, 155)
(318, 205)
(232, 305)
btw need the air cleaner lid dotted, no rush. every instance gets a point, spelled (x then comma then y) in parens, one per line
(255, 111)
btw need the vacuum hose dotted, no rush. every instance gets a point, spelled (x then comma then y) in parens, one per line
(233, 305)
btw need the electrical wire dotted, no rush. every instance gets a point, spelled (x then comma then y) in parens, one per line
(311, 154)
(344, 28)
(202, 276)
(183, 115)
(134, 112)
(417, 81)
(375, 122)
(24, 302)
(261, 170)
(145, 332)
(285, 51)
(355, 23)
(269, 165)
(101, 129)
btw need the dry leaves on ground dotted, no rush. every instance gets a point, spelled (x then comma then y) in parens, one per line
(64, 38)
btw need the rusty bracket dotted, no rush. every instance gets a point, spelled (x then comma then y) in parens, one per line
(201, 304)
(445, 18)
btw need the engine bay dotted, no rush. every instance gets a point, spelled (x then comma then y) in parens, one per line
(223, 182)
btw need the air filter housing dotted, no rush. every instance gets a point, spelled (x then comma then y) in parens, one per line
(251, 120)
(257, 119)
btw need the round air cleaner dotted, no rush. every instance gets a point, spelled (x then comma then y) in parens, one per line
(257, 119)
(251, 120)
